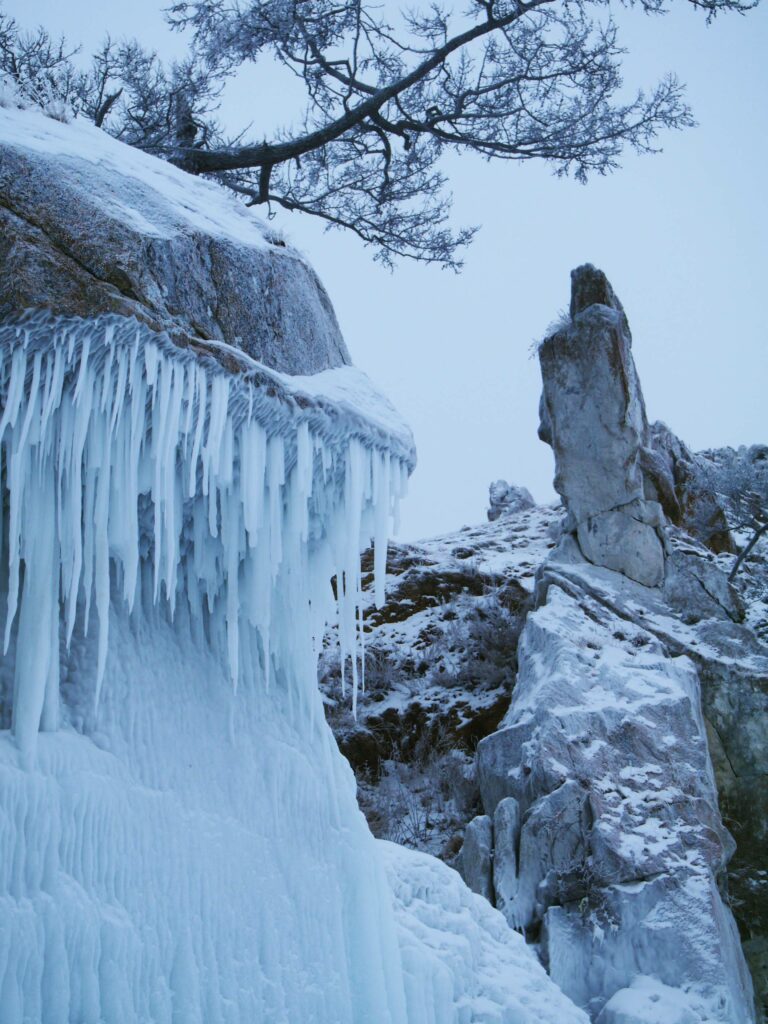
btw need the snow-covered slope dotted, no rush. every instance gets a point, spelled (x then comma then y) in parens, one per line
(440, 664)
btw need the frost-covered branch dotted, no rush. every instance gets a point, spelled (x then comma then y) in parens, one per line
(387, 97)
(741, 481)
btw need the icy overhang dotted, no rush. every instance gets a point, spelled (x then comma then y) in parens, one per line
(189, 478)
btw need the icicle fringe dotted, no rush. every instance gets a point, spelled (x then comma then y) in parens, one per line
(123, 454)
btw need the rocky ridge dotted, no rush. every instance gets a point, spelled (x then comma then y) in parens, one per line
(633, 747)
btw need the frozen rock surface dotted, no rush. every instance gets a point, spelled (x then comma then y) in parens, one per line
(622, 852)
(91, 226)
(593, 416)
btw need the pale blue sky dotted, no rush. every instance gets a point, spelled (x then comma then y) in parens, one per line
(683, 236)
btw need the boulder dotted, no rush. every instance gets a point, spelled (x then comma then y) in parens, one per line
(507, 498)
(152, 242)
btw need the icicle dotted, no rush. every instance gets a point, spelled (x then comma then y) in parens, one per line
(134, 468)
(101, 569)
(381, 490)
(34, 654)
(275, 481)
(253, 447)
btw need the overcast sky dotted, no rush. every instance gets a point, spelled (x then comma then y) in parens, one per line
(682, 235)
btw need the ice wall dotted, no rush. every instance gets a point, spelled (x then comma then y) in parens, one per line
(179, 838)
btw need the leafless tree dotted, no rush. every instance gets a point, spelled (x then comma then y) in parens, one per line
(741, 479)
(388, 94)
(39, 66)
(125, 89)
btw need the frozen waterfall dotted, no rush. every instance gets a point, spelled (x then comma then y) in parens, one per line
(171, 531)
(180, 841)
(130, 463)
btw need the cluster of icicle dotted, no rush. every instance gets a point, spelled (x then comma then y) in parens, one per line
(133, 469)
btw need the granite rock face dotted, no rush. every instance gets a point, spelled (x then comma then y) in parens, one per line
(622, 853)
(593, 416)
(132, 251)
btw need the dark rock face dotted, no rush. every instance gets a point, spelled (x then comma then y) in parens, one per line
(677, 478)
(128, 251)
(590, 287)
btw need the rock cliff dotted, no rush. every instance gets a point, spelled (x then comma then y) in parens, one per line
(600, 816)
(179, 836)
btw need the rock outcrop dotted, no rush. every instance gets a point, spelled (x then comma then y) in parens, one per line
(89, 226)
(679, 480)
(593, 416)
(507, 498)
(622, 852)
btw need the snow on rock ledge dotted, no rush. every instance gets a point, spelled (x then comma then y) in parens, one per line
(115, 439)
(89, 226)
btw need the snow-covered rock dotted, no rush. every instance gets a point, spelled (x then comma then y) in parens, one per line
(479, 971)
(593, 416)
(622, 849)
(648, 1001)
(505, 498)
(91, 226)
(605, 749)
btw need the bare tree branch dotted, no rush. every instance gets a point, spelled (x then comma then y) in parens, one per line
(387, 96)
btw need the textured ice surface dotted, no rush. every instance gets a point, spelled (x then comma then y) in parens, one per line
(179, 836)
(460, 958)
